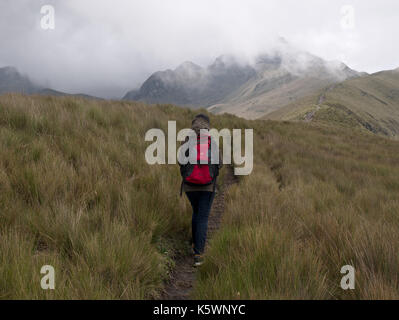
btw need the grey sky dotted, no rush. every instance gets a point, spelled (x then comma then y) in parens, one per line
(106, 47)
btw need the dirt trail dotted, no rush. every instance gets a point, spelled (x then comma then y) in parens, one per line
(183, 275)
(309, 116)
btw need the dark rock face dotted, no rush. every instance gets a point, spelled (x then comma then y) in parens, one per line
(191, 85)
(12, 81)
(227, 81)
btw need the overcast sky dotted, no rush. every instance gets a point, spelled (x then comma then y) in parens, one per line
(106, 47)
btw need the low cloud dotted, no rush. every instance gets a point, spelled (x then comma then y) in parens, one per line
(105, 48)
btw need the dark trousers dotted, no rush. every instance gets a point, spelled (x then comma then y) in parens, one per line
(201, 201)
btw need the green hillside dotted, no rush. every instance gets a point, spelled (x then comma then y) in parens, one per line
(370, 102)
(77, 194)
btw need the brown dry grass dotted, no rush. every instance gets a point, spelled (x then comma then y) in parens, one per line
(320, 197)
(76, 193)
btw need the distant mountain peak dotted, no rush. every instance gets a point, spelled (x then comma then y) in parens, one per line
(188, 65)
(188, 71)
(224, 61)
(9, 70)
(12, 81)
(268, 61)
(249, 88)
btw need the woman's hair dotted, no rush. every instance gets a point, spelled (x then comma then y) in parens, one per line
(201, 116)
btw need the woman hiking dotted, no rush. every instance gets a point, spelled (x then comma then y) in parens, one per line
(199, 181)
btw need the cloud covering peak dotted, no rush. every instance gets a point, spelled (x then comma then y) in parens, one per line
(105, 47)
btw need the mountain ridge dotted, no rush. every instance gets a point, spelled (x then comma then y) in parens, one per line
(191, 85)
(370, 101)
(244, 88)
(12, 81)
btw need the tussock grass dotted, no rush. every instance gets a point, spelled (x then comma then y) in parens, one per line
(76, 193)
(320, 197)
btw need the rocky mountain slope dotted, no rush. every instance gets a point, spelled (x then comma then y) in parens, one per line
(248, 89)
(281, 79)
(12, 81)
(192, 85)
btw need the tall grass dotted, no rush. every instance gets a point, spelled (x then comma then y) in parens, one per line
(77, 194)
(320, 197)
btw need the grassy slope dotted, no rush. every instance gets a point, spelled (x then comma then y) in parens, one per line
(371, 102)
(257, 98)
(320, 197)
(295, 110)
(76, 193)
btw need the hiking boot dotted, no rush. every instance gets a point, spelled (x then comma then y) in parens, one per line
(198, 260)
